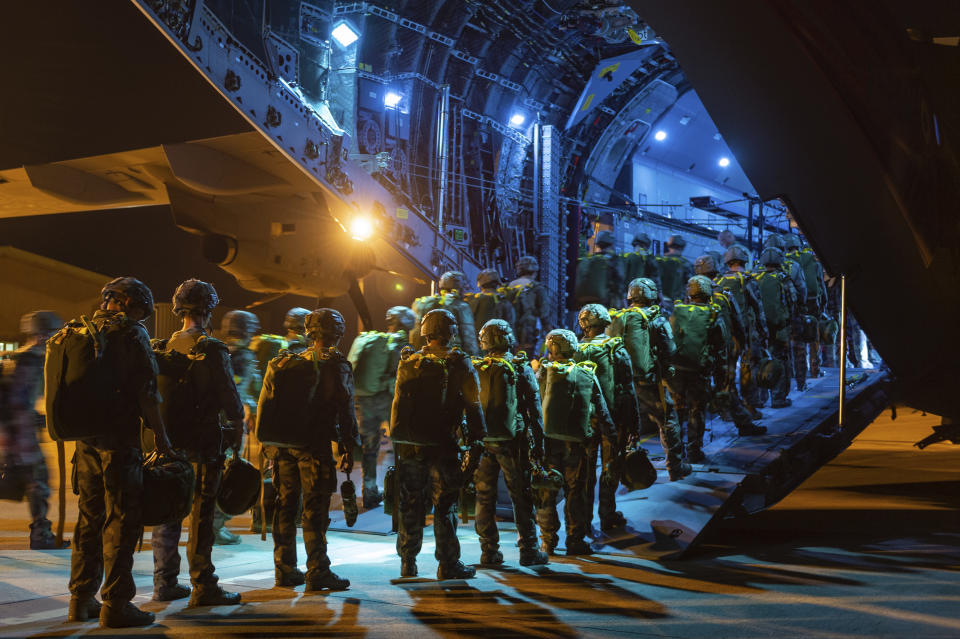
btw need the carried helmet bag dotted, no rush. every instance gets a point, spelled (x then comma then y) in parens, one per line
(691, 327)
(498, 397)
(284, 415)
(810, 328)
(592, 275)
(81, 386)
(638, 471)
(168, 486)
(240, 486)
(566, 390)
(369, 355)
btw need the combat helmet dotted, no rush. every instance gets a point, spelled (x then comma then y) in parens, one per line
(527, 265)
(326, 322)
(40, 323)
(593, 315)
(546, 479)
(774, 240)
(452, 281)
(676, 241)
(604, 239)
(642, 289)
(488, 277)
(791, 242)
(641, 239)
(239, 324)
(438, 324)
(194, 296)
(736, 253)
(403, 316)
(295, 320)
(771, 256)
(497, 335)
(561, 343)
(136, 292)
(706, 265)
(699, 286)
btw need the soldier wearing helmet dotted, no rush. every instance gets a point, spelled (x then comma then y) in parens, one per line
(649, 341)
(777, 295)
(21, 385)
(675, 271)
(108, 469)
(530, 304)
(199, 434)
(600, 275)
(701, 355)
(452, 289)
(436, 402)
(296, 332)
(375, 357)
(308, 473)
(574, 414)
(813, 306)
(510, 398)
(614, 371)
(493, 300)
(641, 262)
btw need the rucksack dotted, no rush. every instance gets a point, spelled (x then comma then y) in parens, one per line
(457, 307)
(488, 306)
(773, 296)
(498, 396)
(284, 411)
(266, 347)
(672, 271)
(811, 271)
(593, 273)
(601, 354)
(634, 326)
(636, 264)
(566, 390)
(183, 381)
(419, 414)
(81, 385)
(691, 329)
(369, 355)
(735, 285)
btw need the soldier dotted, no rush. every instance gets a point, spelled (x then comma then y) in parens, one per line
(600, 275)
(648, 339)
(492, 302)
(529, 299)
(814, 303)
(312, 466)
(375, 357)
(641, 262)
(452, 287)
(735, 336)
(798, 293)
(742, 286)
(573, 412)
(21, 384)
(108, 469)
(436, 395)
(701, 354)
(615, 374)
(510, 398)
(239, 327)
(294, 324)
(675, 271)
(777, 295)
(198, 433)
(830, 323)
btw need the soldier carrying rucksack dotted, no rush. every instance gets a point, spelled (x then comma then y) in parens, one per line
(510, 398)
(814, 304)
(196, 381)
(492, 302)
(777, 296)
(101, 380)
(452, 287)
(614, 371)
(648, 339)
(600, 275)
(436, 400)
(574, 413)
(375, 357)
(530, 301)
(701, 355)
(307, 402)
(641, 262)
(796, 294)
(675, 271)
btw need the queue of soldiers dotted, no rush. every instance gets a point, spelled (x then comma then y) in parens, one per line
(461, 404)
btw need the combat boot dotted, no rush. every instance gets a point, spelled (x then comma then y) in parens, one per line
(613, 521)
(41, 537)
(695, 454)
(782, 403)
(372, 497)
(533, 557)
(679, 471)
(83, 608)
(548, 548)
(750, 429)
(455, 570)
(753, 412)
(408, 567)
(578, 547)
(213, 596)
(223, 537)
(289, 579)
(171, 592)
(124, 615)
(491, 558)
(328, 580)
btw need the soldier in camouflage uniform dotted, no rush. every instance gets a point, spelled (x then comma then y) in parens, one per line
(436, 396)
(313, 467)
(294, 324)
(566, 441)
(451, 298)
(615, 373)
(813, 304)
(109, 471)
(22, 379)
(514, 433)
(798, 293)
(777, 295)
(373, 408)
(529, 299)
(643, 324)
(600, 275)
(641, 262)
(492, 302)
(675, 271)
(193, 302)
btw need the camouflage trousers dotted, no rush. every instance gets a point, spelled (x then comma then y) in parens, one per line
(728, 396)
(511, 457)
(428, 472)
(607, 452)
(166, 538)
(750, 359)
(527, 330)
(313, 475)
(372, 412)
(663, 413)
(570, 458)
(779, 350)
(692, 392)
(110, 485)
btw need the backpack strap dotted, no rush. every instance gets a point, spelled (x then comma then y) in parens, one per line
(62, 496)
(99, 342)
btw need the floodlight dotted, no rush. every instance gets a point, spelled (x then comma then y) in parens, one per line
(345, 34)
(724, 162)
(660, 135)
(361, 228)
(517, 119)
(392, 99)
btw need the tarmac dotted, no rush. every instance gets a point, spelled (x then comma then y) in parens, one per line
(866, 547)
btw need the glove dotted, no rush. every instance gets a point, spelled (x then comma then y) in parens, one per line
(471, 459)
